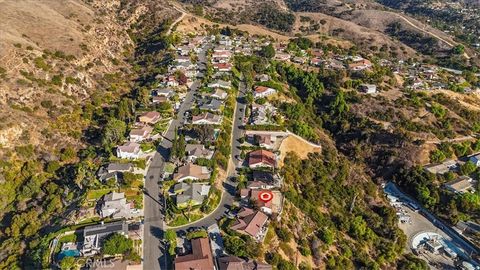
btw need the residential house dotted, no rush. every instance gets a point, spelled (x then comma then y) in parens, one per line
(191, 171)
(191, 194)
(130, 150)
(268, 179)
(206, 119)
(368, 88)
(113, 170)
(201, 257)
(119, 167)
(115, 205)
(262, 77)
(273, 206)
(475, 159)
(261, 158)
(443, 167)
(221, 56)
(462, 184)
(150, 117)
(223, 67)
(140, 134)
(235, 263)
(195, 151)
(299, 60)
(219, 94)
(183, 59)
(184, 50)
(263, 91)
(250, 222)
(316, 61)
(94, 236)
(334, 64)
(317, 53)
(159, 99)
(166, 92)
(171, 81)
(360, 65)
(282, 56)
(264, 140)
(261, 114)
(220, 84)
(212, 104)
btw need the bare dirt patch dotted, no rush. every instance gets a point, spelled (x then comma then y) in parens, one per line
(298, 146)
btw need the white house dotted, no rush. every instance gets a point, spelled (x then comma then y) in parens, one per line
(263, 91)
(140, 134)
(368, 88)
(130, 150)
(220, 84)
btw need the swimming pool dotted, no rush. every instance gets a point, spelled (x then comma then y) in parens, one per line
(68, 253)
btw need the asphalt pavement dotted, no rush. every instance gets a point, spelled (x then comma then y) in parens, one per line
(441, 227)
(154, 255)
(228, 195)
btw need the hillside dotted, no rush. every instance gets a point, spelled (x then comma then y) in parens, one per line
(363, 23)
(63, 67)
(55, 56)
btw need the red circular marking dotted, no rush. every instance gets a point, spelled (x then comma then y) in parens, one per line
(265, 196)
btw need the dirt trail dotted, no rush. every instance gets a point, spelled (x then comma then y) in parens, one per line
(177, 20)
(430, 33)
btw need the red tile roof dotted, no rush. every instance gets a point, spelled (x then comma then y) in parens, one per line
(249, 222)
(200, 259)
(262, 157)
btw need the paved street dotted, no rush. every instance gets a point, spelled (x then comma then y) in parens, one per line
(154, 257)
(238, 130)
(229, 187)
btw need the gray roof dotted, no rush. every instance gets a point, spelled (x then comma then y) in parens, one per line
(212, 104)
(196, 192)
(105, 229)
(119, 167)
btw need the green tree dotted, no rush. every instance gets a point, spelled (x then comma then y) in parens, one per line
(459, 49)
(113, 132)
(68, 263)
(117, 244)
(268, 51)
(437, 156)
(171, 238)
(468, 168)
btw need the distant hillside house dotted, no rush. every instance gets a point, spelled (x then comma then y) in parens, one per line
(368, 88)
(191, 171)
(219, 94)
(140, 134)
(151, 117)
(360, 65)
(475, 159)
(220, 84)
(130, 150)
(206, 119)
(263, 91)
(462, 184)
(223, 66)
